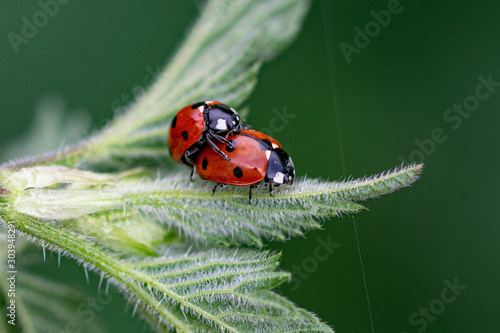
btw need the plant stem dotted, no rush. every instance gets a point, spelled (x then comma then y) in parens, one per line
(90, 253)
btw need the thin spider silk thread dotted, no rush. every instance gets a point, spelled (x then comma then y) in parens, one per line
(331, 75)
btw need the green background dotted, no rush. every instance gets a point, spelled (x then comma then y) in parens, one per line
(395, 91)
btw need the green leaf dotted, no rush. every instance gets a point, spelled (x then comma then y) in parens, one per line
(42, 306)
(117, 222)
(192, 291)
(228, 219)
(109, 211)
(226, 289)
(219, 60)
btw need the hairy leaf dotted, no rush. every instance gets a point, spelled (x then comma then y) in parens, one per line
(219, 60)
(107, 211)
(228, 219)
(226, 289)
(191, 291)
(41, 305)
(149, 235)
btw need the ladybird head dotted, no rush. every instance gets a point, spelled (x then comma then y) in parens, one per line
(280, 169)
(222, 119)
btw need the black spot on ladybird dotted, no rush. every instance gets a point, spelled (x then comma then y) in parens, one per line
(174, 122)
(185, 135)
(237, 172)
(204, 163)
(229, 148)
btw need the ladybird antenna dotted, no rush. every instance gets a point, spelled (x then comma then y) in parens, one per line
(334, 95)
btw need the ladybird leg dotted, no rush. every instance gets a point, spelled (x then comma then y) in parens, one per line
(271, 189)
(250, 194)
(218, 185)
(192, 172)
(233, 130)
(222, 139)
(212, 144)
(186, 158)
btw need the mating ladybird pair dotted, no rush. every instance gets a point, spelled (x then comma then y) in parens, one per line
(208, 136)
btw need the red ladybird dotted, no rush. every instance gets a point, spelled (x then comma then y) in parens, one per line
(253, 157)
(199, 123)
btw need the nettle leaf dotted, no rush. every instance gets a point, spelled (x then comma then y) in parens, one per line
(227, 289)
(41, 305)
(228, 219)
(219, 60)
(136, 228)
(132, 213)
(191, 290)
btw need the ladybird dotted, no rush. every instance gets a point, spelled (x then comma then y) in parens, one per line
(199, 123)
(253, 157)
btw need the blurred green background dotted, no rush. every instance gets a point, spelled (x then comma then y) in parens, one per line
(365, 115)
